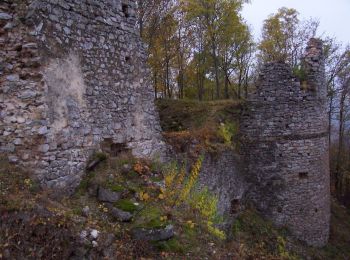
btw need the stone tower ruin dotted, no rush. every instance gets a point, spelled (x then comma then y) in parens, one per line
(285, 131)
(73, 80)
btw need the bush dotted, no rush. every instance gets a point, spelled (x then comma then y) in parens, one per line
(300, 73)
(227, 131)
(181, 191)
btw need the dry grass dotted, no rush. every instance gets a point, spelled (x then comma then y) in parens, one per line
(192, 126)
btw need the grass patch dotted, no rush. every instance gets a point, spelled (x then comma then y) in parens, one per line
(260, 238)
(126, 205)
(85, 183)
(180, 115)
(171, 245)
(211, 125)
(115, 187)
(150, 217)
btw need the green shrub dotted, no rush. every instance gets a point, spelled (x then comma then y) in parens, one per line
(100, 156)
(126, 205)
(227, 131)
(300, 73)
(180, 191)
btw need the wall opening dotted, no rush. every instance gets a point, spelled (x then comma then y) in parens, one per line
(303, 175)
(235, 206)
(125, 9)
(127, 58)
(113, 149)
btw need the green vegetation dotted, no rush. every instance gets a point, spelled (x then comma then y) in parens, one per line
(212, 125)
(126, 205)
(192, 213)
(300, 73)
(181, 115)
(227, 131)
(259, 238)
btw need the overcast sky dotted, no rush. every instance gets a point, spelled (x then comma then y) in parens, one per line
(334, 15)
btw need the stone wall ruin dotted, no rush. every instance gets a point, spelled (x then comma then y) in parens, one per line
(285, 136)
(72, 76)
(73, 80)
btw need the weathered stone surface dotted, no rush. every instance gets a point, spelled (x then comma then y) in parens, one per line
(5, 16)
(70, 79)
(285, 145)
(153, 234)
(222, 174)
(105, 195)
(120, 215)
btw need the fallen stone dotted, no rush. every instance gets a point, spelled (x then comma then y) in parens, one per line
(105, 195)
(9, 26)
(94, 233)
(86, 211)
(5, 16)
(126, 168)
(83, 234)
(153, 234)
(120, 215)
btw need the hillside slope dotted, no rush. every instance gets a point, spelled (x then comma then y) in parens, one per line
(136, 209)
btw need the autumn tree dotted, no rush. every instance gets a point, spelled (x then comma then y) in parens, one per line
(284, 37)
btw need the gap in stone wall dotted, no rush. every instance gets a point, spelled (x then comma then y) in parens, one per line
(112, 148)
(235, 206)
(303, 175)
(125, 9)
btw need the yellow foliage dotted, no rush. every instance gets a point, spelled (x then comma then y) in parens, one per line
(191, 180)
(215, 231)
(144, 196)
(179, 190)
(138, 167)
(190, 223)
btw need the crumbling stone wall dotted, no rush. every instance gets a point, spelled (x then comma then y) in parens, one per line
(284, 130)
(221, 173)
(72, 76)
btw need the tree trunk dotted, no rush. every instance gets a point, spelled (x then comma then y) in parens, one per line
(216, 70)
(226, 89)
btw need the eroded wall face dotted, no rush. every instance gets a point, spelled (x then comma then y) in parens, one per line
(73, 75)
(286, 148)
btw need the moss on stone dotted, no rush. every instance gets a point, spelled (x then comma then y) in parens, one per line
(126, 205)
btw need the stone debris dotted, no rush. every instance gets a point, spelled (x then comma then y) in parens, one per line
(154, 234)
(94, 233)
(120, 215)
(5, 16)
(105, 195)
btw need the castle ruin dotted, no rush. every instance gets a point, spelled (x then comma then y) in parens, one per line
(285, 136)
(73, 80)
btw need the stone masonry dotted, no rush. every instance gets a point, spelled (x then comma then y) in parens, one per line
(73, 80)
(284, 131)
